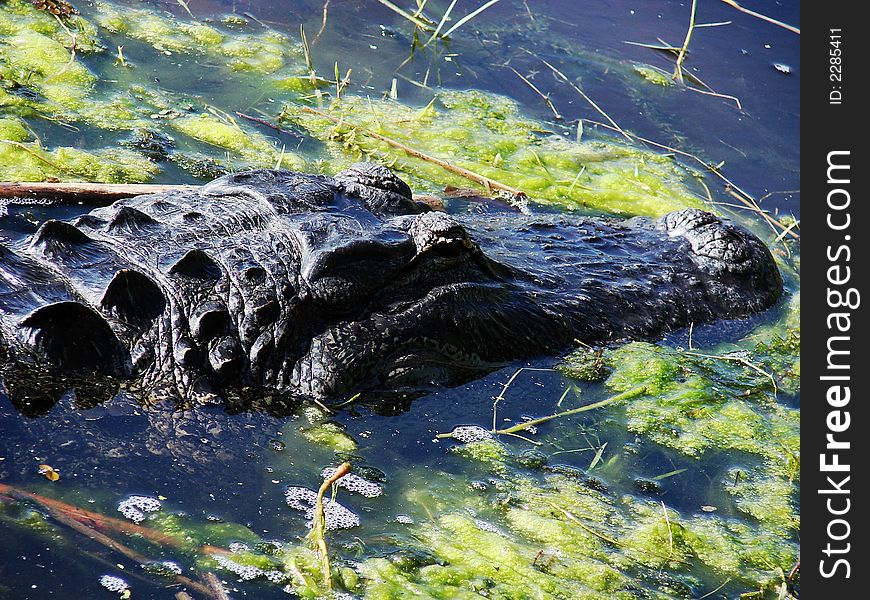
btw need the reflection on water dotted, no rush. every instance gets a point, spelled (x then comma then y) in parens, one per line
(216, 467)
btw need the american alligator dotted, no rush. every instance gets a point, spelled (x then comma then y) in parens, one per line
(315, 286)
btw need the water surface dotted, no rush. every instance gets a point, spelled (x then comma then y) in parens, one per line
(105, 452)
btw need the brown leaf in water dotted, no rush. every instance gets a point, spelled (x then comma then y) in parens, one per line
(49, 472)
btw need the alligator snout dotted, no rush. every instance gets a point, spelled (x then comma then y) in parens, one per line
(742, 272)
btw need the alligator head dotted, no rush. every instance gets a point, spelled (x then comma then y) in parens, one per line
(318, 287)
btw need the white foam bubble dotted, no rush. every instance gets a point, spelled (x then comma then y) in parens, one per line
(276, 576)
(336, 515)
(164, 568)
(470, 433)
(355, 483)
(135, 507)
(113, 583)
(245, 572)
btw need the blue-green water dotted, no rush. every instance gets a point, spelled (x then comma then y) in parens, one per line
(238, 474)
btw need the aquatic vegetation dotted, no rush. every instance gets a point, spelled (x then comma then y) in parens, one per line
(13, 129)
(706, 404)
(28, 161)
(324, 433)
(489, 452)
(253, 147)
(482, 132)
(777, 346)
(489, 517)
(37, 70)
(561, 536)
(653, 76)
(264, 53)
(487, 134)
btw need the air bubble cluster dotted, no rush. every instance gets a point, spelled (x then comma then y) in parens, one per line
(113, 583)
(276, 576)
(135, 507)
(404, 519)
(470, 433)
(335, 515)
(486, 526)
(163, 568)
(313, 414)
(248, 572)
(355, 483)
(5, 203)
(245, 572)
(239, 547)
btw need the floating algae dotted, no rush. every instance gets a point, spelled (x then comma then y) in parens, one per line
(486, 134)
(263, 53)
(250, 146)
(29, 161)
(654, 76)
(39, 72)
(505, 527)
(707, 404)
(560, 536)
(322, 432)
(47, 74)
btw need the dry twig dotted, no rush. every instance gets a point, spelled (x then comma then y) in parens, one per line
(85, 192)
(735, 5)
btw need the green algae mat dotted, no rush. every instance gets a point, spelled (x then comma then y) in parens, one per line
(100, 93)
(493, 513)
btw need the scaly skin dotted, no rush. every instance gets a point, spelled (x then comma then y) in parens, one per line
(311, 286)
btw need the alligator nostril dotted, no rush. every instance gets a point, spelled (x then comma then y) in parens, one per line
(436, 231)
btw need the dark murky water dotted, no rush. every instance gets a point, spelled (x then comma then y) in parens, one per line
(109, 451)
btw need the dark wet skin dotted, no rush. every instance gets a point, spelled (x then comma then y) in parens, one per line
(303, 286)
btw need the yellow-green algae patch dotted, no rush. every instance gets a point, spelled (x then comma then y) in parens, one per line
(653, 76)
(492, 453)
(487, 134)
(266, 52)
(719, 403)
(321, 432)
(44, 64)
(250, 146)
(556, 536)
(30, 162)
(13, 129)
